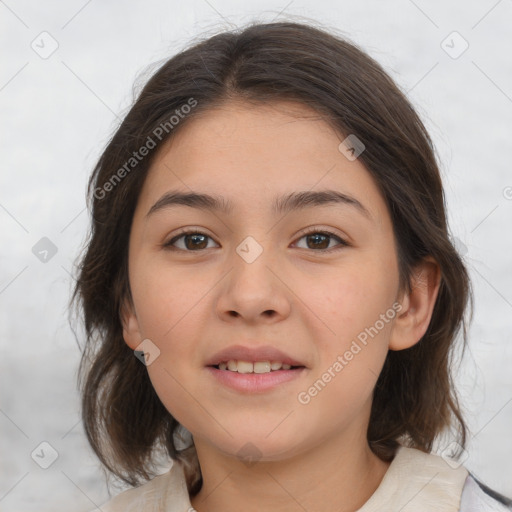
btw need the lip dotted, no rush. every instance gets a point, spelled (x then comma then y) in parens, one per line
(252, 354)
(254, 382)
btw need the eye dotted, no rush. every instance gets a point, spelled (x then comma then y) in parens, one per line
(321, 240)
(195, 241)
(192, 239)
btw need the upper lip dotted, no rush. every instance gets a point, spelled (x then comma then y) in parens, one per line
(252, 354)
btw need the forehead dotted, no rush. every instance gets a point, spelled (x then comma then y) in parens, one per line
(252, 154)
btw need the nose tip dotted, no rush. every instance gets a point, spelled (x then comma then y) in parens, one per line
(252, 289)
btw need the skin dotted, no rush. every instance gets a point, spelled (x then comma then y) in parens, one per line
(313, 456)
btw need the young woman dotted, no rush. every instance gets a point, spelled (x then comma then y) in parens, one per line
(270, 272)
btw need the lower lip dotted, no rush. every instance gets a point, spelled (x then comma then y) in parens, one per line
(254, 382)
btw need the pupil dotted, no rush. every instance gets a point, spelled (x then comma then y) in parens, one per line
(194, 245)
(316, 236)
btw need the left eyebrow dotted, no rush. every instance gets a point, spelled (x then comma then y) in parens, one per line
(283, 204)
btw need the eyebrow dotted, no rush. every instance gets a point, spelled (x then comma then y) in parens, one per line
(283, 204)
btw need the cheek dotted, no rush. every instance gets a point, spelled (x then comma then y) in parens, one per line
(351, 351)
(168, 305)
(355, 314)
(167, 316)
(162, 297)
(350, 300)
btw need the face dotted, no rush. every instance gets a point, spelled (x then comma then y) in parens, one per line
(310, 281)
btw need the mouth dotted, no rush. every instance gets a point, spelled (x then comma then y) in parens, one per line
(257, 367)
(256, 378)
(254, 369)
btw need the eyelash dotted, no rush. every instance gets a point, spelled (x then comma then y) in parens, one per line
(343, 243)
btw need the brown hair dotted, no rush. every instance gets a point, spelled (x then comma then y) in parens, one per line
(414, 399)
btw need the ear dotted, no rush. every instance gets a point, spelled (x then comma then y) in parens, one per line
(130, 323)
(417, 306)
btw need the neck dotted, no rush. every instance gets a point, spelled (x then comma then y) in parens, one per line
(339, 475)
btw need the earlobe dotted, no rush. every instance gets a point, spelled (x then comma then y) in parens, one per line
(131, 330)
(417, 306)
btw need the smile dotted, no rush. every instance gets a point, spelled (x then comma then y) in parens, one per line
(252, 380)
(254, 367)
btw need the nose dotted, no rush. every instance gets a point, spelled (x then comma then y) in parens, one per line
(254, 290)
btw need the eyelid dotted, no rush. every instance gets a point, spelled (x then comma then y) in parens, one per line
(191, 230)
(321, 229)
(326, 231)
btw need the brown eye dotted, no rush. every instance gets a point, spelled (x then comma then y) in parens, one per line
(195, 241)
(192, 241)
(320, 240)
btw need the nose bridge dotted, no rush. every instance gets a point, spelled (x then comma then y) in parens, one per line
(251, 263)
(252, 286)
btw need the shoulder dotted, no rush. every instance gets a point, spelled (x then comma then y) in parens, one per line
(419, 482)
(477, 497)
(453, 482)
(164, 492)
(144, 498)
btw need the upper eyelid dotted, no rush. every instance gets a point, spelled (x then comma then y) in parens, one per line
(304, 232)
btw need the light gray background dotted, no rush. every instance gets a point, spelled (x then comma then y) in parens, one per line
(58, 113)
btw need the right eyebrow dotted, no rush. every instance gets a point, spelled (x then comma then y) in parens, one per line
(192, 200)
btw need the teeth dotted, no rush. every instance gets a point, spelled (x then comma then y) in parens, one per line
(257, 367)
(264, 367)
(244, 367)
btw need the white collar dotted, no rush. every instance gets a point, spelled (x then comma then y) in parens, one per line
(417, 481)
(414, 482)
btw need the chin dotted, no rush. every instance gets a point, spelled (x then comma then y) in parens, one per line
(260, 448)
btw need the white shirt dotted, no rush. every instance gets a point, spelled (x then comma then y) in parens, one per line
(414, 482)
